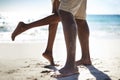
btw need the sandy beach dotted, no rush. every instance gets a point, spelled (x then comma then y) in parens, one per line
(24, 61)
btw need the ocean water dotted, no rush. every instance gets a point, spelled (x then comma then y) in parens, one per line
(101, 26)
(107, 26)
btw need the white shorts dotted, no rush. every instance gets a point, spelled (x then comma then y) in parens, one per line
(76, 7)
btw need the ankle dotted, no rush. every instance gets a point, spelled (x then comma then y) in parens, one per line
(48, 51)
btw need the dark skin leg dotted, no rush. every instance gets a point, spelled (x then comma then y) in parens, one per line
(48, 52)
(69, 28)
(52, 21)
(23, 27)
(85, 50)
(83, 34)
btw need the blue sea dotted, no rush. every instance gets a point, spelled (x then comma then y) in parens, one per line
(107, 26)
(101, 26)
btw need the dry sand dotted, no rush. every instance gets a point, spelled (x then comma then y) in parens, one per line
(23, 61)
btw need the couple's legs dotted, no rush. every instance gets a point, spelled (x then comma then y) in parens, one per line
(70, 31)
(83, 34)
(70, 27)
(52, 21)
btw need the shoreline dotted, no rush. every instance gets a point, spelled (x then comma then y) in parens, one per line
(100, 48)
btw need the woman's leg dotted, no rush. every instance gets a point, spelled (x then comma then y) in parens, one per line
(52, 20)
(45, 21)
(48, 54)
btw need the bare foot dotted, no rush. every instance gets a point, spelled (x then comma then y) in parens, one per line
(19, 29)
(83, 62)
(65, 72)
(49, 57)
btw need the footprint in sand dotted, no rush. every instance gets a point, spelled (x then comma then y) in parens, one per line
(106, 71)
(38, 65)
(46, 71)
(26, 66)
(32, 78)
(26, 61)
(11, 71)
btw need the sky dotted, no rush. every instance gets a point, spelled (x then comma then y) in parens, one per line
(93, 6)
(18, 10)
(103, 7)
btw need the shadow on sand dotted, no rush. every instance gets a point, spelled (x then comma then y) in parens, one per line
(99, 75)
(73, 77)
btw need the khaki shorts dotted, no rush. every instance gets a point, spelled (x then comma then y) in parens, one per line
(76, 7)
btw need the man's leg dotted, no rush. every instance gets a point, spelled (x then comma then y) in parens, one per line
(83, 34)
(69, 28)
(23, 27)
(49, 49)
